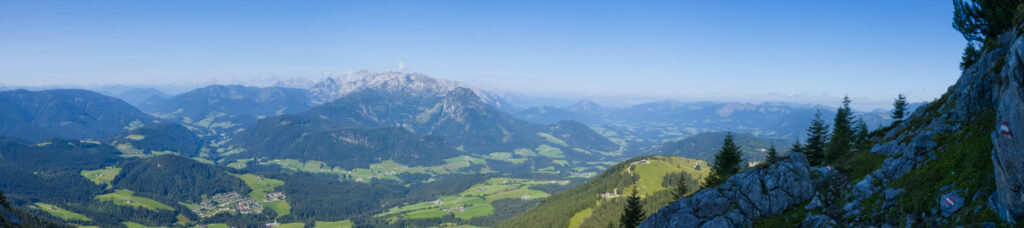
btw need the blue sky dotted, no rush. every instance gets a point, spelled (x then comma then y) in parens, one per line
(798, 51)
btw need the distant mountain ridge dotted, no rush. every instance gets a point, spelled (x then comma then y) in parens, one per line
(65, 113)
(650, 124)
(226, 108)
(459, 115)
(704, 146)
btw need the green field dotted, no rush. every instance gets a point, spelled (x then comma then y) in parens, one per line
(475, 200)
(135, 137)
(122, 197)
(652, 174)
(525, 152)
(61, 213)
(505, 156)
(136, 225)
(292, 225)
(101, 176)
(338, 224)
(213, 226)
(577, 219)
(240, 163)
(385, 170)
(553, 139)
(260, 189)
(549, 151)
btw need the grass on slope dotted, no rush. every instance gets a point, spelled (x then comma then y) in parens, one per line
(101, 176)
(338, 224)
(384, 170)
(549, 151)
(964, 162)
(61, 213)
(652, 174)
(577, 219)
(553, 139)
(579, 206)
(476, 200)
(213, 226)
(123, 197)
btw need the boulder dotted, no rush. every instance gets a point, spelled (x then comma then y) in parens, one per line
(756, 193)
(891, 194)
(817, 221)
(950, 203)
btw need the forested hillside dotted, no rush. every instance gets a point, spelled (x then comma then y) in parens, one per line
(309, 138)
(37, 116)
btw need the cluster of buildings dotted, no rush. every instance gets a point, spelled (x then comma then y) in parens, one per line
(460, 209)
(274, 196)
(228, 202)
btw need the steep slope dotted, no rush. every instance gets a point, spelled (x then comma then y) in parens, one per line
(308, 138)
(1008, 155)
(599, 201)
(704, 146)
(458, 115)
(177, 178)
(948, 164)
(220, 109)
(57, 154)
(575, 133)
(162, 137)
(66, 113)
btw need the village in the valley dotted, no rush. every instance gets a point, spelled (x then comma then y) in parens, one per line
(234, 202)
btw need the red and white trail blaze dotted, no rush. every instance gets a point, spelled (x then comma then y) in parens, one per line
(949, 201)
(1004, 129)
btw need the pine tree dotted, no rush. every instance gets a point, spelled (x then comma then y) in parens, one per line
(727, 162)
(861, 130)
(681, 188)
(796, 147)
(842, 135)
(817, 133)
(634, 211)
(899, 108)
(772, 155)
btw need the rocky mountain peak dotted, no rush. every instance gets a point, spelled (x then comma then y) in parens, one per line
(332, 88)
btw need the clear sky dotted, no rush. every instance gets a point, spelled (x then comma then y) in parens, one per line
(800, 51)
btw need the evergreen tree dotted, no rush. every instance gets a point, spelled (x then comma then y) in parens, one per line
(978, 20)
(727, 162)
(861, 130)
(772, 155)
(817, 133)
(634, 211)
(842, 134)
(681, 188)
(796, 147)
(899, 108)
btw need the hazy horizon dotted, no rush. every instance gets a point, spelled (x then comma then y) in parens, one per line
(806, 52)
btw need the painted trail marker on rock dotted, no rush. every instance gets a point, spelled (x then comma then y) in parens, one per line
(950, 201)
(1004, 129)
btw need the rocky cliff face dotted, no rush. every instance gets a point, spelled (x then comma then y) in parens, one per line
(933, 171)
(1008, 155)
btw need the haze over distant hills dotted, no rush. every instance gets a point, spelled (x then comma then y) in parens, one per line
(407, 140)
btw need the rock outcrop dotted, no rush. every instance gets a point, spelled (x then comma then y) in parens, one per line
(1008, 152)
(992, 85)
(752, 194)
